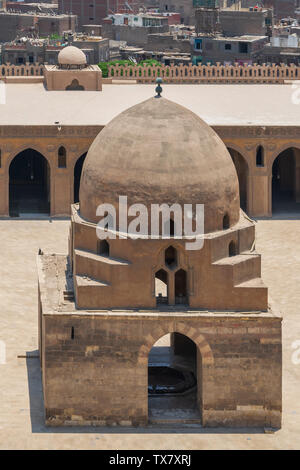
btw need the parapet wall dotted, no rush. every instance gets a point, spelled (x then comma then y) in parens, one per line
(24, 70)
(179, 73)
(206, 73)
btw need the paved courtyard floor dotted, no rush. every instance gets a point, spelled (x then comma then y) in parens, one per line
(21, 407)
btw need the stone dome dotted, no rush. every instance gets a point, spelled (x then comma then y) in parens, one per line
(71, 55)
(160, 152)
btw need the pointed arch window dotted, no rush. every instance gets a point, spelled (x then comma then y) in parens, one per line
(232, 249)
(260, 158)
(103, 248)
(226, 222)
(62, 157)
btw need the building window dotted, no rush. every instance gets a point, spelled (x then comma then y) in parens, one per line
(198, 44)
(171, 257)
(232, 248)
(226, 222)
(62, 157)
(227, 47)
(103, 248)
(260, 156)
(168, 229)
(243, 47)
(181, 294)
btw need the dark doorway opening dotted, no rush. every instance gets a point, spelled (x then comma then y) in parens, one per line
(77, 176)
(75, 85)
(174, 381)
(29, 184)
(181, 295)
(286, 182)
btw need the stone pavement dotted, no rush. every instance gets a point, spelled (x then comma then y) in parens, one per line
(21, 408)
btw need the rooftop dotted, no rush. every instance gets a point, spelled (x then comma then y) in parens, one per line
(56, 280)
(35, 14)
(240, 38)
(232, 8)
(266, 105)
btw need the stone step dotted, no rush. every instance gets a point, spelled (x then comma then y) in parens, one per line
(241, 268)
(97, 267)
(104, 259)
(24, 79)
(256, 291)
(256, 283)
(171, 421)
(86, 281)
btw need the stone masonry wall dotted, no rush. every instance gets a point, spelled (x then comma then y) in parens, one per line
(100, 376)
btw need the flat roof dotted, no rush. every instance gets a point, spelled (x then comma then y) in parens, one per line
(266, 105)
(232, 8)
(245, 37)
(40, 14)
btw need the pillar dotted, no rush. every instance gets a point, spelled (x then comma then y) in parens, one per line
(4, 194)
(261, 195)
(297, 175)
(60, 194)
(4, 183)
(171, 288)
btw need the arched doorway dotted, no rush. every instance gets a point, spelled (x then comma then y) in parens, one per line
(74, 85)
(161, 287)
(181, 297)
(174, 380)
(286, 181)
(77, 176)
(29, 184)
(242, 170)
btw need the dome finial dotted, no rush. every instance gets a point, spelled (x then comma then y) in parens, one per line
(158, 89)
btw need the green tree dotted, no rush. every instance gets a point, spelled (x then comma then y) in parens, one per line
(104, 65)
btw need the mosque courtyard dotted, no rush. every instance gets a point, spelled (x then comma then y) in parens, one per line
(21, 407)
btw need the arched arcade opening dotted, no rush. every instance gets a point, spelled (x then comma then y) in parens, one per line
(77, 176)
(161, 287)
(174, 380)
(181, 291)
(29, 184)
(242, 170)
(286, 181)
